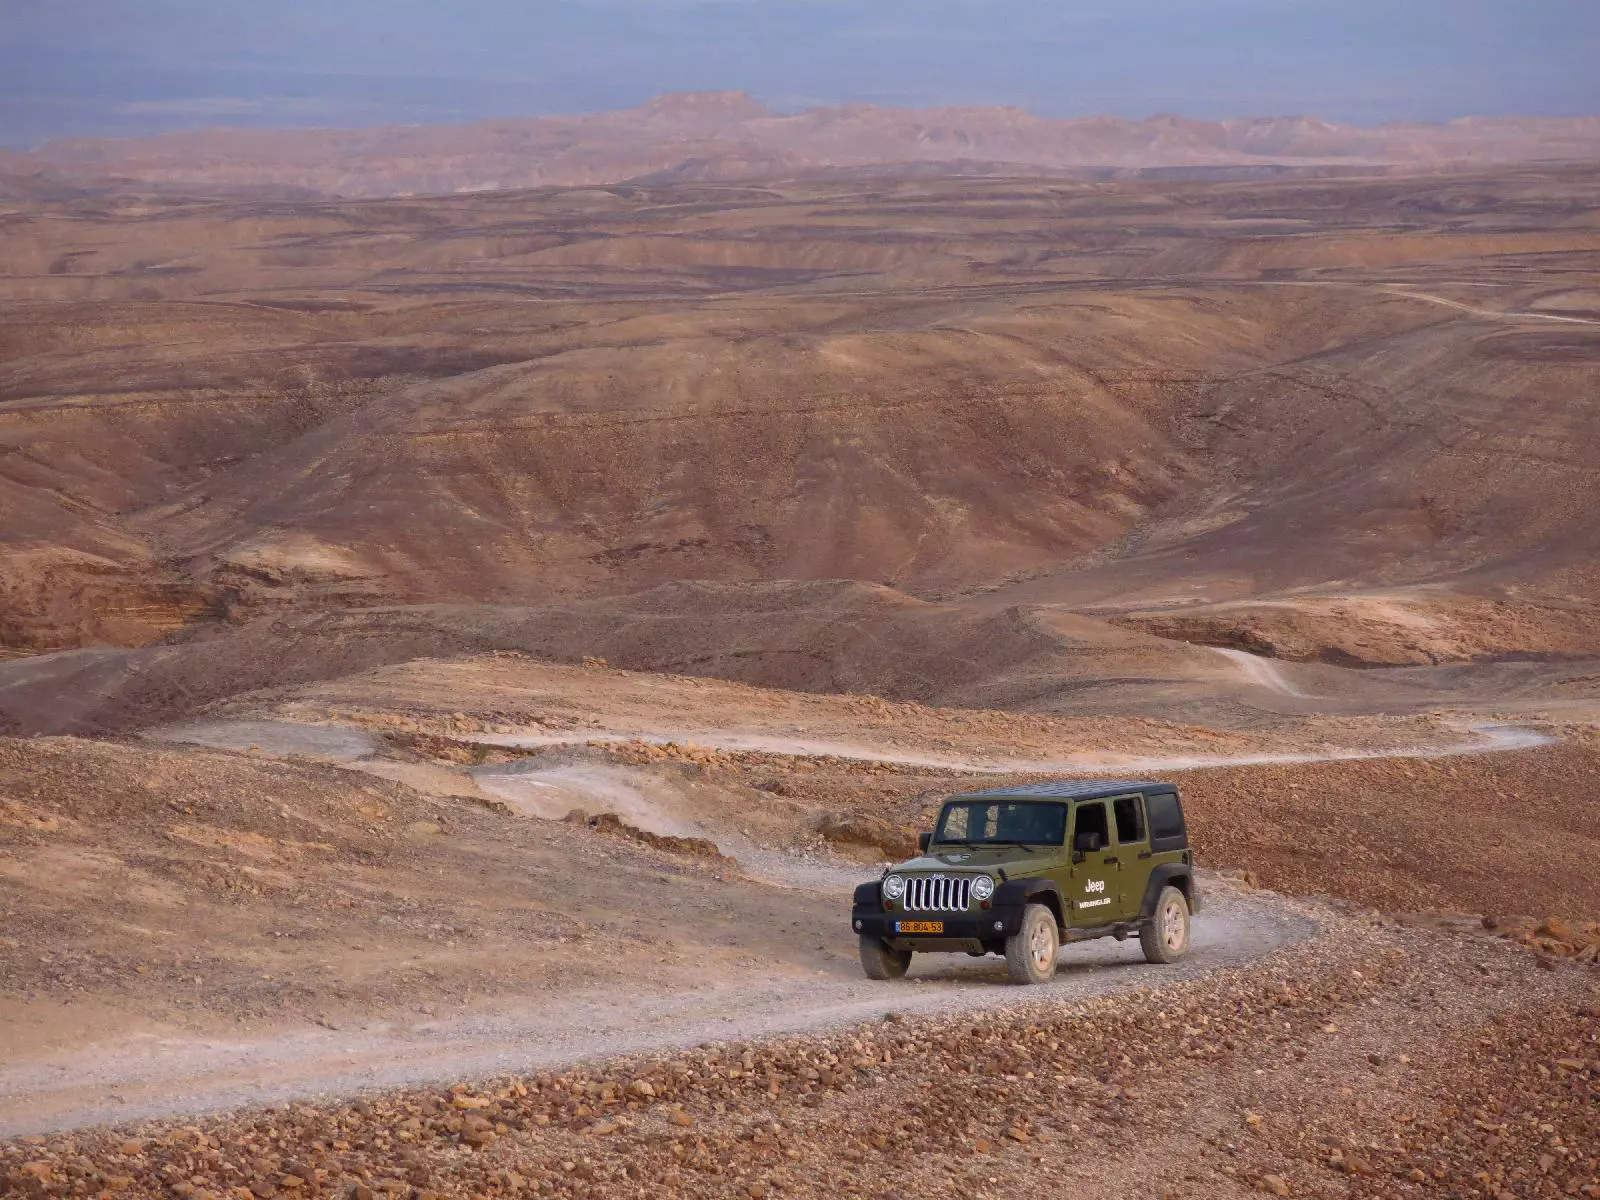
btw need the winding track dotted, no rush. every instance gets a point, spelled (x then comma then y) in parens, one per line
(1482, 739)
(157, 1076)
(167, 1075)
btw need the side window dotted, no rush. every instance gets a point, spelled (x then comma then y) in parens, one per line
(1129, 811)
(1166, 822)
(1091, 818)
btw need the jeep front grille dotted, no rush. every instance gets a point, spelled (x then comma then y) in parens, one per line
(939, 893)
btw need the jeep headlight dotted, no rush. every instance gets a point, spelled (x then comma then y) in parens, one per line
(982, 887)
(893, 887)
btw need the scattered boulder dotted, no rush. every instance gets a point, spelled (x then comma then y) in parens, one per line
(611, 823)
(863, 832)
(1551, 938)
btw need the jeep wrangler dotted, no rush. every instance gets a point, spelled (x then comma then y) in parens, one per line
(1020, 870)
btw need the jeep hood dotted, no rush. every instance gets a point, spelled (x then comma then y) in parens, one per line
(986, 858)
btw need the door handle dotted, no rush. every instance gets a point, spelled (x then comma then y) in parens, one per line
(1111, 860)
(1146, 854)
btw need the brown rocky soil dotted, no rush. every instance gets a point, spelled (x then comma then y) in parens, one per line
(1501, 834)
(1396, 630)
(1369, 1062)
(143, 887)
(180, 892)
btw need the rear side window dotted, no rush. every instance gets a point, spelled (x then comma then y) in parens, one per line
(1091, 819)
(1167, 831)
(1130, 819)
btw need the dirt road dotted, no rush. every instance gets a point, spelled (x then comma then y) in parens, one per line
(750, 992)
(321, 740)
(152, 1075)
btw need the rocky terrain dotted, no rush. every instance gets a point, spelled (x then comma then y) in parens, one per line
(1370, 1063)
(1093, 428)
(457, 654)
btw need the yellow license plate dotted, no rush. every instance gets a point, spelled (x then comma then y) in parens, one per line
(919, 926)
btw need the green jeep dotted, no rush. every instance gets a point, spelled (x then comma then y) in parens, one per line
(1020, 870)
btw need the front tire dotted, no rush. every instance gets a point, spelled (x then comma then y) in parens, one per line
(1031, 952)
(1165, 937)
(880, 962)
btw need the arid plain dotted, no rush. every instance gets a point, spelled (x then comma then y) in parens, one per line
(350, 547)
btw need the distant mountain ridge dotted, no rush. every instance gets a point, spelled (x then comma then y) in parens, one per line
(732, 136)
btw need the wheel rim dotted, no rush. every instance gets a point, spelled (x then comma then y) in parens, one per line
(1172, 925)
(1040, 945)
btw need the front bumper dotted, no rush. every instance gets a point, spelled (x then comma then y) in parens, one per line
(970, 926)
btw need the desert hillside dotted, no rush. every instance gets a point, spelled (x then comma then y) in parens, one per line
(459, 654)
(1344, 422)
(706, 136)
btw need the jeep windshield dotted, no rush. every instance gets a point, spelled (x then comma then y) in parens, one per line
(1002, 823)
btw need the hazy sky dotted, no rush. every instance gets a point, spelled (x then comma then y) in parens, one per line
(138, 66)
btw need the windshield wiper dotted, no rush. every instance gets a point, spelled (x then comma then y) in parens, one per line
(1009, 842)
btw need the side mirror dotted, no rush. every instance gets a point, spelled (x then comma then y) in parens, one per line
(1087, 842)
(924, 840)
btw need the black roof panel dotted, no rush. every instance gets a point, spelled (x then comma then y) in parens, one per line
(1071, 789)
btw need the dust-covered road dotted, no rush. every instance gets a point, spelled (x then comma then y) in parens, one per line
(150, 1076)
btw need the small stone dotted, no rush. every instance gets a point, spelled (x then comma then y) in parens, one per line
(642, 1087)
(1275, 1184)
(601, 1128)
(682, 1120)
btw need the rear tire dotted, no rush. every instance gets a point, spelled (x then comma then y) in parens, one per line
(1031, 952)
(1165, 936)
(880, 962)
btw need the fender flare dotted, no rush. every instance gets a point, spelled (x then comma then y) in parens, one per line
(1178, 875)
(1015, 893)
